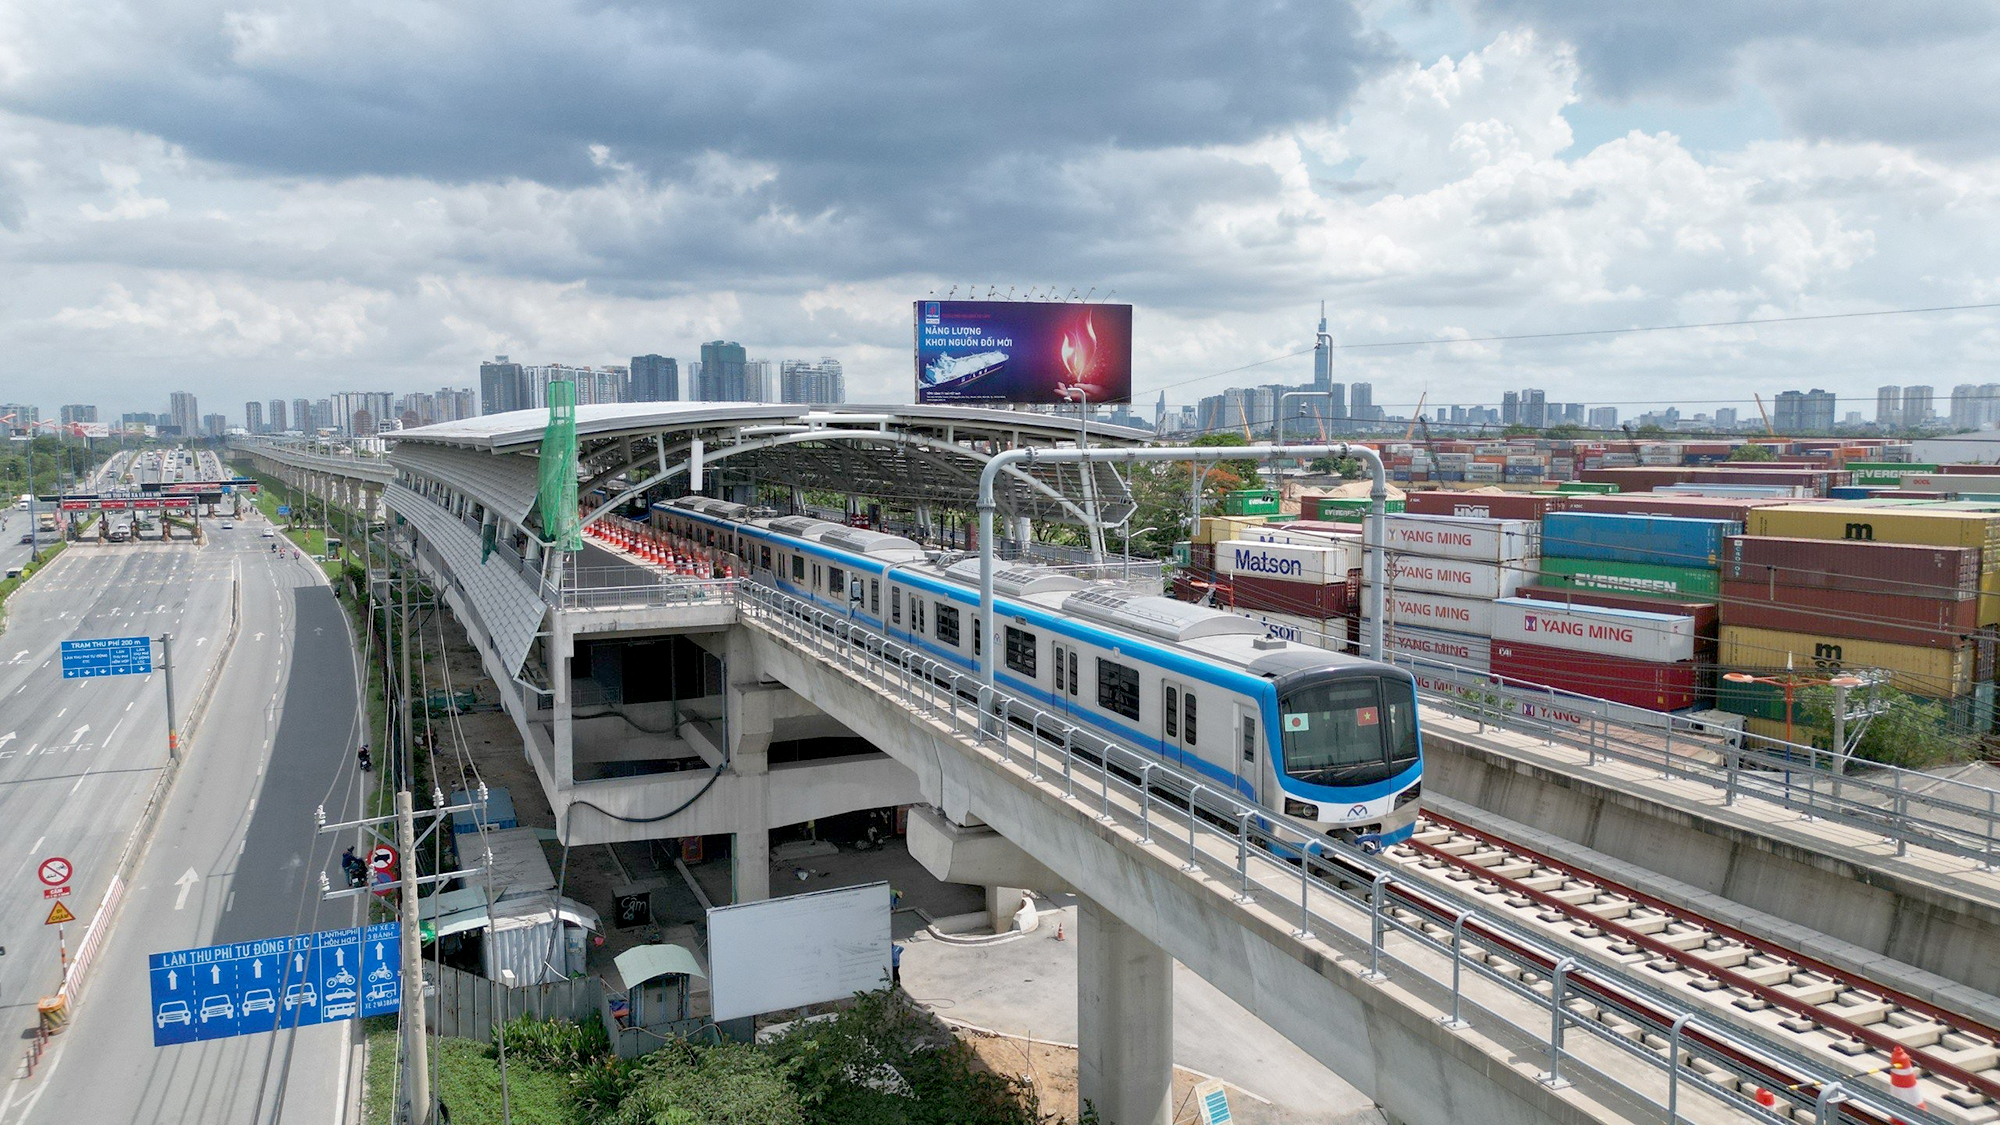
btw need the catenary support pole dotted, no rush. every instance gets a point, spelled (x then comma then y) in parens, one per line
(167, 673)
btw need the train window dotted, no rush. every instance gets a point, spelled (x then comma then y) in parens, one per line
(978, 626)
(947, 624)
(836, 581)
(895, 605)
(916, 615)
(1337, 733)
(1170, 712)
(875, 597)
(764, 554)
(798, 568)
(1072, 672)
(1117, 688)
(817, 577)
(1249, 738)
(1187, 715)
(1021, 653)
(1402, 708)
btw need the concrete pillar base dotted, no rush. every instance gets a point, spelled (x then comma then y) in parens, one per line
(1002, 903)
(1124, 1019)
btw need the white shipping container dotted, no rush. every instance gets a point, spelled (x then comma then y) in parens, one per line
(1465, 537)
(1437, 611)
(1456, 649)
(1451, 576)
(1738, 491)
(1347, 546)
(1657, 637)
(1314, 565)
(1327, 633)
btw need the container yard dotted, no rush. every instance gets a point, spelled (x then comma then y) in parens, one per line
(1646, 582)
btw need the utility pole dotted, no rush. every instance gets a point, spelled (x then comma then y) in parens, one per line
(167, 669)
(416, 1066)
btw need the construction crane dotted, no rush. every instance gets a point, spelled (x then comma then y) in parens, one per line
(1416, 416)
(1766, 415)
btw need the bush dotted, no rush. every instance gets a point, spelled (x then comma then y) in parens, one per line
(1912, 732)
(563, 1046)
(727, 1084)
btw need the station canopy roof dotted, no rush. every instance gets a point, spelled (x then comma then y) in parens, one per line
(903, 455)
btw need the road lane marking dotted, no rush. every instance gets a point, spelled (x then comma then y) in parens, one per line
(37, 845)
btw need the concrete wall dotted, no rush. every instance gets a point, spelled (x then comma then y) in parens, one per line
(1852, 898)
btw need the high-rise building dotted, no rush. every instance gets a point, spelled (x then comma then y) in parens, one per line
(722, 377)
(18, 418)
(1725, 418)
(1534, 409)
(1510, 408)
(502, 387)
(213, 425)
(1916, 406)
(655, 378)
(324, 417)
(455, 403)
(1989, 403)
(803, 381)
(1603, 417)
(78, 412)
(1574, 414)
(1807, 412)
(183, 414)
(1888, 407)
(276, 420)
(1966, 412)
(253, 416)
(348, 406)
(1361, 402)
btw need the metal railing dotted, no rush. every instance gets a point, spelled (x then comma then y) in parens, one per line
(1324, 885)
(633, 588)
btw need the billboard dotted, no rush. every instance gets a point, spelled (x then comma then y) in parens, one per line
(1025, 352)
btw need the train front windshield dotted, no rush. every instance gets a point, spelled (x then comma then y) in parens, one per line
(1350, 731)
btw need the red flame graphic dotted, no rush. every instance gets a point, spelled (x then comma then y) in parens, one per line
(1079, 353)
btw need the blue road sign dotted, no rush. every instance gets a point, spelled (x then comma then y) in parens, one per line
(248, 987)
(284, 509)
(107, 656)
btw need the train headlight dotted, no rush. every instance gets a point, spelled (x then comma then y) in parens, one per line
(1410, 794)
(1304, 810)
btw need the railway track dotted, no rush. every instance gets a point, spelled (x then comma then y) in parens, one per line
(1849, 1022)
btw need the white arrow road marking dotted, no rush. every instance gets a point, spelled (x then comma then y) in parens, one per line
(80, 732)
(185, 883)
(200, 641)
(8, 737)
(19, 656)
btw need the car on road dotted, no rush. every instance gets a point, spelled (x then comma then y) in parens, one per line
(299, 996)
(27, 537)
(217, 1008)
(228, 526)
(339, 1002)
(173, 1011)
(259, 1000)
(267, 533)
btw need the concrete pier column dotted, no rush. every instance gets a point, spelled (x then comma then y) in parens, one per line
(1002, 903)
(1124, 1019)
(747, 722)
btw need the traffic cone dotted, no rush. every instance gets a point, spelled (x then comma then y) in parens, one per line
(1903, 1079)
(1059, 933)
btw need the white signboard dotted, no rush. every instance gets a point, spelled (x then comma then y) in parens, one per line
(803, 949)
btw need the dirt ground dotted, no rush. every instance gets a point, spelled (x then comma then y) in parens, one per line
(1051, 1070)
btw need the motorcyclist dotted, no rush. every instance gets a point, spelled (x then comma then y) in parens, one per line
(361, 756)
(353, 867)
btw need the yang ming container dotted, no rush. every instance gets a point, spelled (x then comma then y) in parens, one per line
(1464, 537)
(1656, 637)
(1458, 649)
(1656, 540)
(1461, 579)
(1437, 611)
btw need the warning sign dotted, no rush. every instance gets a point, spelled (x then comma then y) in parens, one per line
(58, 914)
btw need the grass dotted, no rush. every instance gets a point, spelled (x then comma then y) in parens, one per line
(468, 1079)
(9, 585)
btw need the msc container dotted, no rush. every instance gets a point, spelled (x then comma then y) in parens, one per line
(1277, 595)
(1475, 653)
(1896, 569)
(1436, 611)
(1881, 525)
(1931, 672)
(1450, 576)
(1465, 537)
(1889, 618)
(1706, 616)
(1484, 505)
(1660, 540)
(1656, 637)
(1289, 561)
(1685, 583)
(1635, 683)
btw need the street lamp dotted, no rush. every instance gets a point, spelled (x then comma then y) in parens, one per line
(1841, 685)
(1129, 533)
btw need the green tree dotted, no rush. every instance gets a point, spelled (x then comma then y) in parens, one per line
(727, 1084)
(1518, 430)
(883, 1062)
(1563, 432)
(1752, 452)
(1652, 429)
(1912, 732)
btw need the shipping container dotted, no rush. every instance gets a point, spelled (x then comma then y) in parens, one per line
(1465, 537)
(1685, 583)
(1736, 491)
(1670, 504)
(1436, 611)
(1880, 525)
(1659, 540)
(1277, 595)
(1916, 669)
(1346, 509)
(1604, 488)
(1456, 649)
(1448, 576)
(1250, 502)
(1883, 472)
(1895, 569)
(1849, 492)
(1657, 637)
(1347, 547)
(1328, 633)
(1956, 484)
(1755, 700)
(1706, 615)
(1635, 683)
(1290, 561)
(1887, 618)
(1484, 505)
(1218, 529)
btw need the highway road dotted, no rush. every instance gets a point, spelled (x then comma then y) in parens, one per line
(236, 857)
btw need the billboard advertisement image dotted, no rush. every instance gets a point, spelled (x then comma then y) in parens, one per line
(1023, 352)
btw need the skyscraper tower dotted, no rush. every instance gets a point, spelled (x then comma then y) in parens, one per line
(1322, 355)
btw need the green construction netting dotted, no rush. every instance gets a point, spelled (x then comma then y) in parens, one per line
(556, 499)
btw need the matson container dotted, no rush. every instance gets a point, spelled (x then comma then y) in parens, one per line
(1465, 537)
(1482, 505)
(1660, 540)
(1685, 583)
(1657, 637)
(1635, 683)
(1475, 653)
(1276, 595)
(1899, 569)
(1289, 561)
(1461, 579)
(1929, 672)
(1889, 618)
(1435, 611)
(1346, 550)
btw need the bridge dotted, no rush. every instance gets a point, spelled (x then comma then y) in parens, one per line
(1429, 997)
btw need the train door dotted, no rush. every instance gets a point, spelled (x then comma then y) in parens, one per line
(1180, 720)
(1063, 659)
(1250, 752)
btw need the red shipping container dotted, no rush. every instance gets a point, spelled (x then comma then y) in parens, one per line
(1706, 616)
(1275, 595)
(1322, 527)
(1485, 505)
(1889, 618)
(1635, 683)
(1897, 569)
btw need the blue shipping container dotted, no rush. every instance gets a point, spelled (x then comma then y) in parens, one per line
(1849, 491)
(1660, 540)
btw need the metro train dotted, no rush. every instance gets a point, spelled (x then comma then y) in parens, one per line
(1327, 739)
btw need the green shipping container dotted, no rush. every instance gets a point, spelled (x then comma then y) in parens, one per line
(1646, 580)
(1348, 509)
(1884, 473)
(1753, 701)
(1250, 502)
(1594, 487)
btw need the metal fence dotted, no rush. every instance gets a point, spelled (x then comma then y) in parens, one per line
(1321, 884)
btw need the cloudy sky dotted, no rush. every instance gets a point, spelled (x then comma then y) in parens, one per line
(289, 198)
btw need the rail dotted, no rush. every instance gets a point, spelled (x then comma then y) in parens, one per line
(1299, 874)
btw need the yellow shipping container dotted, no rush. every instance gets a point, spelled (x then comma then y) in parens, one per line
(1929, 672)
(1221, 529)
(1774, 729)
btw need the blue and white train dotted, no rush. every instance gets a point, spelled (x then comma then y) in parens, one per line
(1327, 739)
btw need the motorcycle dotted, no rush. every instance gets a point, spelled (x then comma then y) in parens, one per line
(363, 760)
